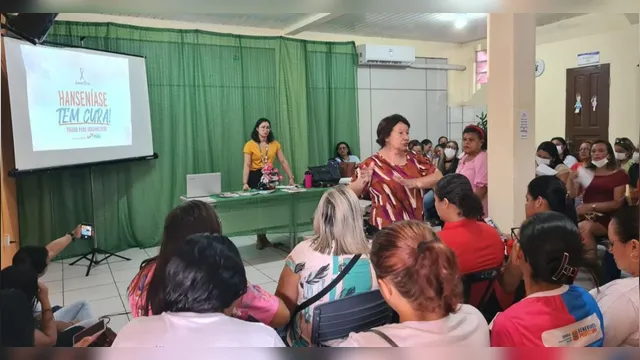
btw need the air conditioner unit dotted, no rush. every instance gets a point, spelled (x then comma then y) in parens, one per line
(382, 55)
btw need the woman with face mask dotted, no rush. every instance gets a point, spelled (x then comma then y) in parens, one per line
(549, 162)
(602, 196)
(563, 150)
(624, 149)
(447, 165)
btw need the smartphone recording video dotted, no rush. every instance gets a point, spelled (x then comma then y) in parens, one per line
(86, 231)
(90, 331)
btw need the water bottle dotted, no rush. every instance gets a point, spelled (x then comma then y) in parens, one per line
(307, 179)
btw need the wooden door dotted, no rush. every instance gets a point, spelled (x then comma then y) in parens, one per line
(8, 196)
(591, 86)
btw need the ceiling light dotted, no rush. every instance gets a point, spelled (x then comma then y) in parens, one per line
(460, 23)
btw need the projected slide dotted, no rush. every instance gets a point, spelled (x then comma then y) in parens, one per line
(77, 100)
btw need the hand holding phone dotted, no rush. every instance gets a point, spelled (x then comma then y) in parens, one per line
(90, 332)
(86, 231)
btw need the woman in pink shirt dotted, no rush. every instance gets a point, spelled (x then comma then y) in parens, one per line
(473, 163)
(196, 217)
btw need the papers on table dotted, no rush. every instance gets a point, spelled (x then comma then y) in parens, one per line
(206, 199)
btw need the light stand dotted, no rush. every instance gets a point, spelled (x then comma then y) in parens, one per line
(95, 250)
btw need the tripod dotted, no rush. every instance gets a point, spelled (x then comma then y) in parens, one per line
(91, 256)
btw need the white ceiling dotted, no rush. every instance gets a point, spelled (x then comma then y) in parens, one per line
(417, 26)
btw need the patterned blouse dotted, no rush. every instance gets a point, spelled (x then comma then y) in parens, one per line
(391, 201)
(256, 305)
(316, 271)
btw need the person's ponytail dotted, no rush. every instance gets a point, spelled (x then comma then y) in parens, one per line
(437, 277)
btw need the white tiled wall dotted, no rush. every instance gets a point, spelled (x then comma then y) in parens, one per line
(461, 116)
(419, 95)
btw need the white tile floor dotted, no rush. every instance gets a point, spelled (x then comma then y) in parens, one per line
(106, 286)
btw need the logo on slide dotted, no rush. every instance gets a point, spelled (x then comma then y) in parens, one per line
(82, 81)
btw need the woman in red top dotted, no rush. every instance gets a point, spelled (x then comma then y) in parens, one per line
(603, 196)
(393, 178)
(477, 245)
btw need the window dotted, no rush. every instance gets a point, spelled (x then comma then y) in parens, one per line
(482, 66)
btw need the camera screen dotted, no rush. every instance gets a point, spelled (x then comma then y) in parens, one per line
(86, 230)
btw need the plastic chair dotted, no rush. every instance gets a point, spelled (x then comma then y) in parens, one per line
(469, 280)
(337, 319)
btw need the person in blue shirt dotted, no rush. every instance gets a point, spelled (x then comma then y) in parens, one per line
(343, 153)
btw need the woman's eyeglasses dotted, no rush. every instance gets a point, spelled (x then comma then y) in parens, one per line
(607, 245)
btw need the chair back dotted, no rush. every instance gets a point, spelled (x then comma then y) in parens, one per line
(469, 280)
(337, 319)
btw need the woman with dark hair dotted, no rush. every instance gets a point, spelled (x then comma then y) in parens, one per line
(619, 300)
(603, 195)
(203, 281)
(624, 149)
(146, 291)
(438, 153)
(396, 186)
(442, 140)
(38, 258)
(549, 162)
(343, 153)
(584, 155)
(549, 253)
(544, 194)
(427, 146)
(261, 150)
(415, 146)
(44, 332)
(473, 164)
(563, 151)
(418, 277)
(477, 245)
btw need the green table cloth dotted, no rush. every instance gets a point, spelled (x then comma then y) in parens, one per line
(277, 212)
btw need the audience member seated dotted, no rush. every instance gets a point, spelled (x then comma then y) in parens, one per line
(415, 146)
(619, 299)
(18, 325)
(549, 162)
(394, 178)
(477, 245)
(603, 196)
(563, 151)
(624, 150)
(23, 279)
(447, 165)
(343, 153)
(584, 156)
(195, 217)
(438, 154)
(313, 263)
(473, 163)
(427, 147)
(549, 252)
(39, 258)
(443, 140)
(419, 279)
(544, 193)
(203, 281)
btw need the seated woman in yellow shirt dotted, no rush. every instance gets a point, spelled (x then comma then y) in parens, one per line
(259, 151)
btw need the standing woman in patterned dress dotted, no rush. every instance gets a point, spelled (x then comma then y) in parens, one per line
(394, 178)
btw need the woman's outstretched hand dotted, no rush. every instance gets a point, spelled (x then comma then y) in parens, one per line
(408, 183)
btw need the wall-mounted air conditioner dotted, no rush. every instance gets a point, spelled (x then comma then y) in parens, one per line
(381, 55)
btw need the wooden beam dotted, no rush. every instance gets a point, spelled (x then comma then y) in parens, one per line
(8, 195)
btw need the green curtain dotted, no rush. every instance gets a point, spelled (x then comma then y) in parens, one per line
(206, 91)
